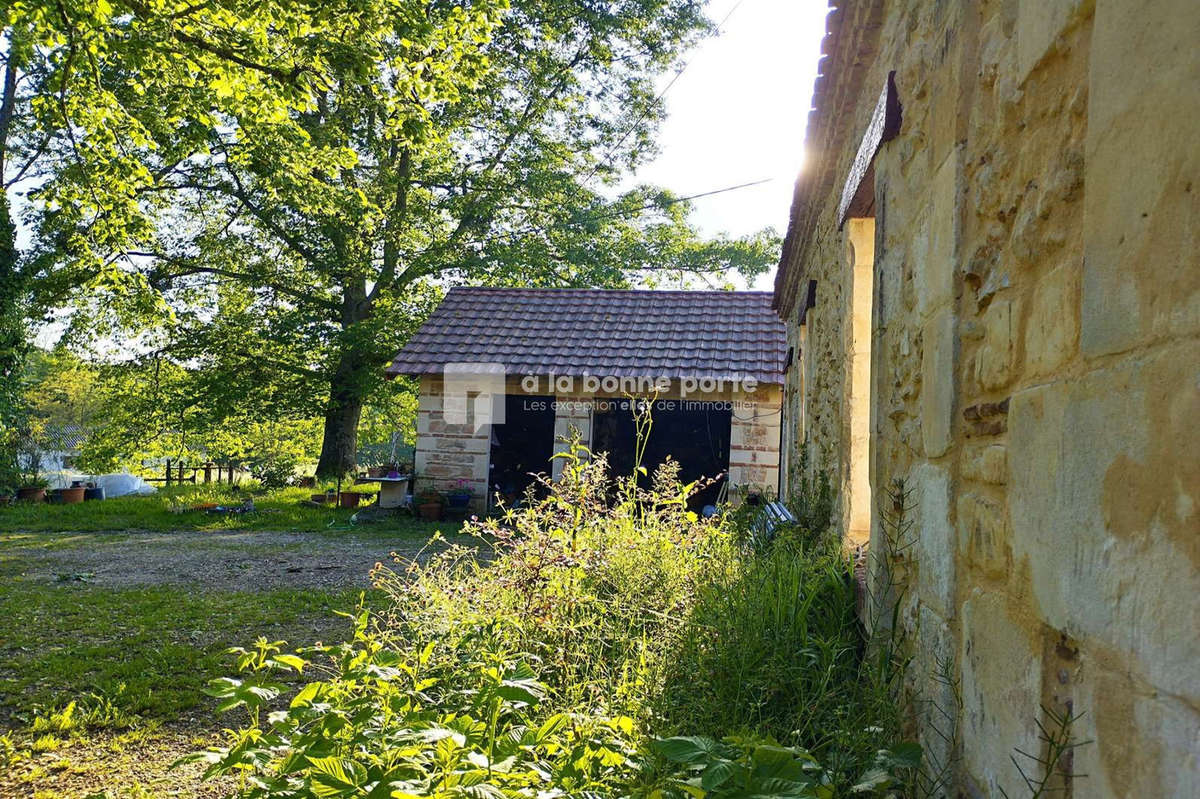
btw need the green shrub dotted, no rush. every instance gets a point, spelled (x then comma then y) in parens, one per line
(544, 661)
(441, 721)
(741, 766)
(592, 582)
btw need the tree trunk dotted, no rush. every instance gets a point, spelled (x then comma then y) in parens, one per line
(339, 445)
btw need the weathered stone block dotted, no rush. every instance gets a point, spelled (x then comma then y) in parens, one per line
(994, 464)
(983, 534)
(441, 455)
(1052, 329)
(473, 444)
(1039, 23)
(935, 537)
(1105, 506)
(751, 434)
(480, 470)
(1143, 743)
(937, 383)
(934, 673)
(934, 278)
(1001, 689)
(994, 360)
(1140, 278)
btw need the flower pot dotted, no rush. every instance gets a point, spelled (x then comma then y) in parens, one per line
(377, 471)
(459, 500)
(31, 494)
(348, 499)
(90, 494)
(320, 499)
(72, 495)
(430, 511)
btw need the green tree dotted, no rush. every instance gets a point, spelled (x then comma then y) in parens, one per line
(302, 179)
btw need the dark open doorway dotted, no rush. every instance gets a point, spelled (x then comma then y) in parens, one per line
(522, 446)
(696, 434)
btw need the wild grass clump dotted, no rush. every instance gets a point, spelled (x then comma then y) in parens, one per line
(773, 648)
(765, 645)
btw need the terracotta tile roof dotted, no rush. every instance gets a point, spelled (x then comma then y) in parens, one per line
(603, 332)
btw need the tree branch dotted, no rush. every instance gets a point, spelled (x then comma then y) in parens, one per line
(395, 222)
(285, 76)
(187, 268)
(238, 193)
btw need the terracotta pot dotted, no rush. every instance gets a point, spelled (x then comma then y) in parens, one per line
(31, 494)
(348, 499)
(72, 495)
(430, 511)
(377, 471)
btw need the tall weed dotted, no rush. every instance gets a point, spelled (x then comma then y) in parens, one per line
(592, 582)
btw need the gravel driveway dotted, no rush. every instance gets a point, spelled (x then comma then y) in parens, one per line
(225, 561)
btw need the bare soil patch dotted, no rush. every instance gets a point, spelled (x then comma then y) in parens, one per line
(222, 561)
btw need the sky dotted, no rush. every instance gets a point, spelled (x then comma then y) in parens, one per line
(737, 115)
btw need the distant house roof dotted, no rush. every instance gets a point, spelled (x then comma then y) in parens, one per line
(63, 438)
(603, 332)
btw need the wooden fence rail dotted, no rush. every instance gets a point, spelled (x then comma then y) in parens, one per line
(225, 472)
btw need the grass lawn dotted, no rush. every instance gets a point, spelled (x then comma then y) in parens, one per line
(132, 636)
(172, 509)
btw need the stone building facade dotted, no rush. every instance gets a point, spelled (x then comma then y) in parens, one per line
(448, 453)
(566, 362)
(992, 284)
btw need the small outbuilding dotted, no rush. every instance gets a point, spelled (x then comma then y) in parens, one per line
(507, 376)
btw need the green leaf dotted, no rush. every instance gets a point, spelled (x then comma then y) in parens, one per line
(716, 774)
(872, 780)
(291, 661)
(685, 749)
(902, 755)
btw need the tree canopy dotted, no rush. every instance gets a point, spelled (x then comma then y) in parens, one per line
(275, 193)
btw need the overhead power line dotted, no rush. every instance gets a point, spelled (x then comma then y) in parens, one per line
(612, 214)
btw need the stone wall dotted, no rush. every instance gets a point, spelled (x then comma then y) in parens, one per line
(1035, 372)
(447, 453)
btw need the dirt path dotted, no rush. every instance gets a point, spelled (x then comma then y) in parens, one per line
(224, 561)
